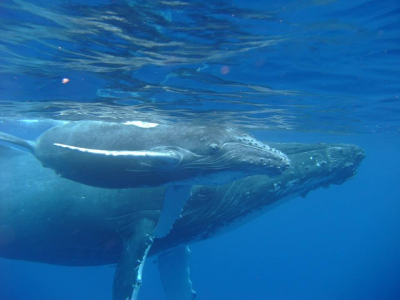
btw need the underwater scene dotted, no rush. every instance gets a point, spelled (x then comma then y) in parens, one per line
(210, 150)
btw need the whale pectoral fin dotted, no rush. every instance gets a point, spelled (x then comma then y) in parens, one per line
(128, 275)
(175, 198)
(175, 274)
(139, 239)
(168, 157)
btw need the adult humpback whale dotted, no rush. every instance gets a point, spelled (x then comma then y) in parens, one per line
(45, 218)
(136, 154)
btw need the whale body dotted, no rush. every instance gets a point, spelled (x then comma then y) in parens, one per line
(48, 219)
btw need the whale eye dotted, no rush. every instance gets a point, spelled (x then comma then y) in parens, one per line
(214, 148)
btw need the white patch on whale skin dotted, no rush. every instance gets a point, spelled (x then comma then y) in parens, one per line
(33, 121)
(141, 124)
(29, 121)
(141, 154)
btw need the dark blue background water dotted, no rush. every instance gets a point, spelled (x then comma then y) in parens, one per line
(306, 71)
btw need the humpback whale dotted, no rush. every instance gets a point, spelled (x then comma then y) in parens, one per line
(48, 219)
(134, 155)
(137, 155)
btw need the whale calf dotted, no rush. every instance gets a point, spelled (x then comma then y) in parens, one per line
(48, 219)
(133, 154)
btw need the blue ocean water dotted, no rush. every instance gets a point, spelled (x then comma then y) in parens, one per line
(303, 71)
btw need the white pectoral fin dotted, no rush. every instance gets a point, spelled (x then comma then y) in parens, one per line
(175, 198)
(168, 156)
(175, 274)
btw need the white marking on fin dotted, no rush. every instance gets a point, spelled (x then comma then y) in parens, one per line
(136, 287)
(149, 154)
(141, 124)
(175, 198)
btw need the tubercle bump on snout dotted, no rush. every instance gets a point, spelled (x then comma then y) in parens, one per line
(272, 157)
(280, 156)
(275, 161)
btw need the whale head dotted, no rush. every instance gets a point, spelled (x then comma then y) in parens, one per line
(224, 156)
